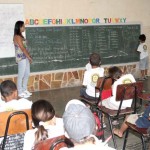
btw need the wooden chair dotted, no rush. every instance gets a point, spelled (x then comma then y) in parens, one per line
(142, 132)
(51, 144)
(124, 92)
(103, 83)
(14, 122)
(145, 97)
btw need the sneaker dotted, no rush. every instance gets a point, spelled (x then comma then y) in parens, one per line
(146, 77)
(23, 95)
(104, 125)
(115, 122)
(142, 79)
(28, 93)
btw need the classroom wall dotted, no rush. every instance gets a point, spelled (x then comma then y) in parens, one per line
(135, 11)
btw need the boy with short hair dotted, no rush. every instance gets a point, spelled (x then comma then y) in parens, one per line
(143, 64)
(11, 102)
(91, 76)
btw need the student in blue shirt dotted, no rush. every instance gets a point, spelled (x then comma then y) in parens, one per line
(141, 121)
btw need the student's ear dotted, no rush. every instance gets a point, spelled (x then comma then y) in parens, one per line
(15, 94)
(2, 98)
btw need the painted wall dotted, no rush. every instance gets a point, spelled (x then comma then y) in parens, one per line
(134, 11)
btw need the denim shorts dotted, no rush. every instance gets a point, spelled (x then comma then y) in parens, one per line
(143, 63)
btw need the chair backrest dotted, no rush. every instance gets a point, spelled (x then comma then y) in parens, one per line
(105, 85)
(51, 144)
(17, 122)
(129, 91)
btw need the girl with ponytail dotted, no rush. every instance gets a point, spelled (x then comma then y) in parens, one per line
(46, 124)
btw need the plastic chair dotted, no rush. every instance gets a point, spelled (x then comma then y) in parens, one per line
(142, 132)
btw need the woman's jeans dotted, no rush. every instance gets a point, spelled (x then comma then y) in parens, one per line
(23, 75)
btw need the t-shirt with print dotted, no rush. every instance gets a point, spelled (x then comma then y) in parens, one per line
(142, 48)
(88, 66)
(90, 80)
(125, 79)
(15, 105)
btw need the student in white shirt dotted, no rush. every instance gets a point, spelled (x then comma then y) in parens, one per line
(79, 124)
(10, 96)
(116, 74)
(91, 76)
(88, 66)
(47, 125)
(144, 62)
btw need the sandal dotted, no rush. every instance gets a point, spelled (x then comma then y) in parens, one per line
(117, 132)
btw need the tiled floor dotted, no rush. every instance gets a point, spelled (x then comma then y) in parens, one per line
(60, 97)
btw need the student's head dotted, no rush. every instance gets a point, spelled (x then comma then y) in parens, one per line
(42, 112)
(8, 90)
(79, 122)
(95, 59)
(115, 72)
(142, 38)
(19, 28)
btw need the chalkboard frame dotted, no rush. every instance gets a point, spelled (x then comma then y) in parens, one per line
(8, 65)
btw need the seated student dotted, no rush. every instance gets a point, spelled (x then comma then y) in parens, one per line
(10, 96)
(45, 122)
(91, 76)
(140, 121)
(105, 84)
(79, 124)
(119, 78)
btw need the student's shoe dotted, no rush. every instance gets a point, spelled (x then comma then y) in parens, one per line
(23, 95)
(104, 125)
(143, 91)
(142, 79)
(115, 122)
(146, 77)
(28, 93)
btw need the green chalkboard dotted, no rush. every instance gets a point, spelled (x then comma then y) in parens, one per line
(63, 47)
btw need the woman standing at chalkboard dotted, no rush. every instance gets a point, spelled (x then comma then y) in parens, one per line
(23, 59)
